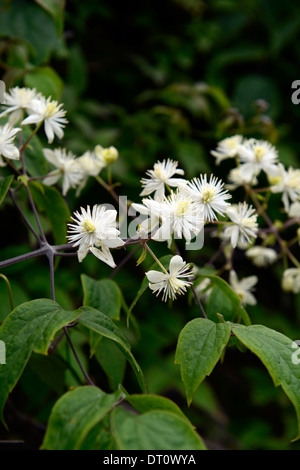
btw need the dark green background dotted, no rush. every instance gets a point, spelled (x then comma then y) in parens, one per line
(160, 79)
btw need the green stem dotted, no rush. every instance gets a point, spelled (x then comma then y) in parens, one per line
(9, 290)
(269, 222)
(155, 258)
(22, 148)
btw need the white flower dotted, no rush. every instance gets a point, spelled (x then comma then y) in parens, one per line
(67, 166)
(95, 231)
(261, 256)
(7, 148)
(160, 176)
(294, 210)
(179, 215)
(243, 287)
(172, 283)
(286, 182)
(204, 289)
(106, 156)
(210, 194)
(152, 209)
(237, 178)
(17, 100)
(291, 280)
(256, 155)
(49, 112)
(244, 224)
(227, 148)
(90, 164)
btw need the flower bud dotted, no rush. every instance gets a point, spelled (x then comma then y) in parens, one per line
(291, 280)
(106, 155)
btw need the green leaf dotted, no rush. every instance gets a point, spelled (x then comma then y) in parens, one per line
(154, 430)
(51, 201)
(4, 186)
(103, 325)
(238, 310)
(104, 295)
(165, 261)
(30, 23)
(200, 345)
(145, 403)
(112, 361)
(74, 415)
(46, 81)
(30, 327)
(99, 438)
(36, 163)
(275, 351)
(55, 8)
(219, 303)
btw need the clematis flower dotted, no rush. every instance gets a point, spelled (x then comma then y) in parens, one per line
(95, 231)
(210, 194)
(18, 100)
(179, 215)
(261, 256)
(161, 175)
(227, 148)
(171, 283)
(66, 166)
(49, 112)
(244, 224)
(7, 148)
(256, 156)
(243, 287)
(286, 182)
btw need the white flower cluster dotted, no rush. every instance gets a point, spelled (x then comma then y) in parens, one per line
(172, 207)
(73, 170)
(253, 157)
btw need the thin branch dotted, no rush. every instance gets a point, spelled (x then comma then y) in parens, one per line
(17, 259)
(66, 246)
(89, 381)
(26, 221)
(51, 266)
(155, 258)
(35, 214)
(198, 301)
(124, 261)
(269, 222)
(31, 201)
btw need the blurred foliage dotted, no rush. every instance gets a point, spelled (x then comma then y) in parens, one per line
(156, 80)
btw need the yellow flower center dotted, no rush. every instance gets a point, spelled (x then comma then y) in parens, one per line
(183, 207)
(232, 143)
(259, 153)
(208, 194)
(159, 172)
(274, 180)
(51, 108)
(89, 226)
(294, 181)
